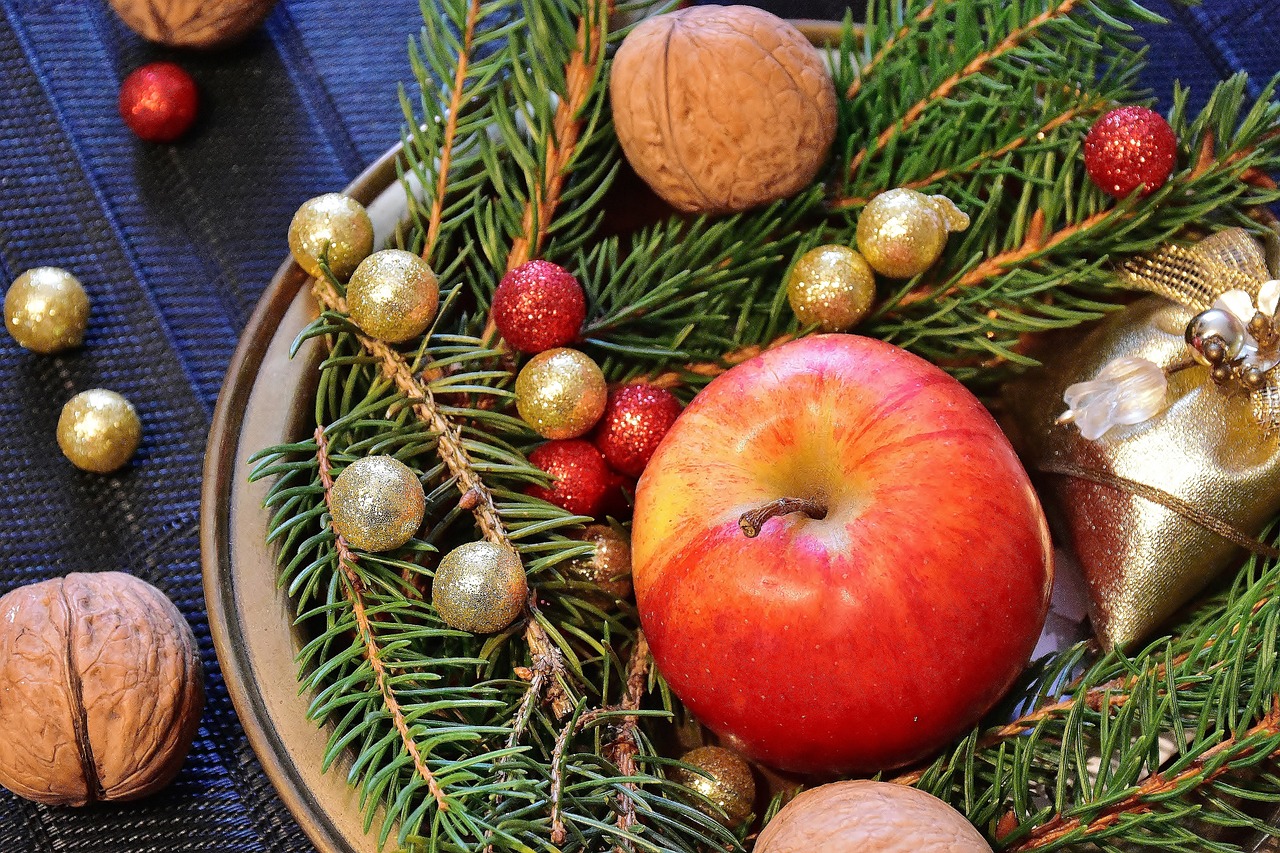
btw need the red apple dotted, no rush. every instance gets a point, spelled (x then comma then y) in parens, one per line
(873, 636)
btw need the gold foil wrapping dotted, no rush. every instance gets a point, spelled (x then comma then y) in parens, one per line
(1143, 560)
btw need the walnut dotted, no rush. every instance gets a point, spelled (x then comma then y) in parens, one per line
(101, 689)
(192, 23)
(722, 108)
(870, 817)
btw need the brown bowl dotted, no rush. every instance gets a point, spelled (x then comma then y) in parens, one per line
(265, 400)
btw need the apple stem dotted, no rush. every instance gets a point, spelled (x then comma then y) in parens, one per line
(752, 521)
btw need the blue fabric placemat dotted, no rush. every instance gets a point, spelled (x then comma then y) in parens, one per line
(174, 244)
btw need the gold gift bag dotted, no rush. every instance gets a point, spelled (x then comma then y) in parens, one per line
(1153, 511)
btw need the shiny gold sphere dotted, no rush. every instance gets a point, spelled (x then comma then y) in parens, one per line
(728, 783)
(480, 587)
(561, 393)
(902, 232)
(99, 431)
(609, 568)
(832, 286)
(46, 310)
(334, 223)
(393, 295)
(377, 503)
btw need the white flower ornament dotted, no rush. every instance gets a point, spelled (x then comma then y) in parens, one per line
(1128, 390)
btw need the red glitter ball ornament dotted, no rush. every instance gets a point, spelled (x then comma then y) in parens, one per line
(619, 495)
(635, 419)
(580, 479)
(1130, 147)
(538, 306)
(158, 101)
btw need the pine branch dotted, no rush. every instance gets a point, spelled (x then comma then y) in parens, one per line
(888, 45)
(1017, 36)
(1211, 690)
(372, 653)
(1085, 108)
(457, 93)
(1263, 738)
(581, 75)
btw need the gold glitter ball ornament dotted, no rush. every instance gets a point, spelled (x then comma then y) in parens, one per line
(393, 295)
(332, 223)
(832, 286)
(480, 587)
(561, 393)
(46, 310)
(902, 232)
(609, 568)
(377, 503)
(728, 783)
(99, 431)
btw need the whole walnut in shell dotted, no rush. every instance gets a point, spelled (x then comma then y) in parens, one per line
(101, 689)
(869, 817)
(722, 108)
(192, 23)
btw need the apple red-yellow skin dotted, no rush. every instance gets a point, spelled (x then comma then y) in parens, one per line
(875, 636)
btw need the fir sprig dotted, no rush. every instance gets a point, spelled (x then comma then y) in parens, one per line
(1083, 768)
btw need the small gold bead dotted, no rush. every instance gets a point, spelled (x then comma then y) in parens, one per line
(609, 568)
(902, 232)
(1253, 377)
(99, 431)
(728, 783)
(480, 587)
(561, 393)
(832, 287)
(377, 503)
(332, 223)
(46, 310)
(393, 295)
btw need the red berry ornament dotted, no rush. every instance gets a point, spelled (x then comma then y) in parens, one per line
(580, 479)
(538, 306)
(158, 102)
(1130, 147)
(635, 419)
(619, 495)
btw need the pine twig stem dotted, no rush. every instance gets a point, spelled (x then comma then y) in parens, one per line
(712, 369)
(547, 659)
(622, 748)
(346, 560)
(950, 172)
(579, 74)
(1035, 242)
(1156, 786)
(921, 16)
(451, 128)
(975, 65)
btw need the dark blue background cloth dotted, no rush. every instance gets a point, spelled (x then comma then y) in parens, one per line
(174, 244)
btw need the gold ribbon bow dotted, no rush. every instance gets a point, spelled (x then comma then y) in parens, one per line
(1198, 274)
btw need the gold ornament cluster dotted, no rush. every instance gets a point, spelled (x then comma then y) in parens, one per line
(46, 311)
(900, 233)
